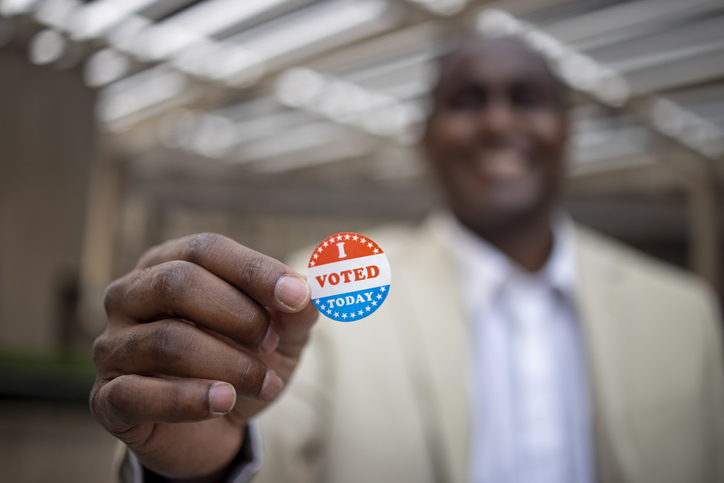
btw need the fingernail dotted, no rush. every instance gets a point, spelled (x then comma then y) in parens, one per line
(222, 397)
(270, 341)
(291, 291)
(271, 388)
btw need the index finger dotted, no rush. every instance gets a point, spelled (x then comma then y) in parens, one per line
(266, 280)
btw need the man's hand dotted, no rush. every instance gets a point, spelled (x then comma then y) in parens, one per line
(200, 322)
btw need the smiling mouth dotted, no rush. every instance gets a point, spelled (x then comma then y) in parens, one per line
(502, 163)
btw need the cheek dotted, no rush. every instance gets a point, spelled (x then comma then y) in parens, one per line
(551, 132)
(450, 133)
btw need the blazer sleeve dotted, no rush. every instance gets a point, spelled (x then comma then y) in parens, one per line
(293, 428)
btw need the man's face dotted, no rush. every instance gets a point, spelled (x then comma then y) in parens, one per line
(496, 136)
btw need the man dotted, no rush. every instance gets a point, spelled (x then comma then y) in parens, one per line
(513, 346)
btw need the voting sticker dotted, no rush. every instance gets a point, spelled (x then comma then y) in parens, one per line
(350, 277)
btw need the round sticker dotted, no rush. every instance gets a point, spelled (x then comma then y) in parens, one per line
(350, 277)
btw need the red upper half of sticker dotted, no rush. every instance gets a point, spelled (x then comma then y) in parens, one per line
(343, 246)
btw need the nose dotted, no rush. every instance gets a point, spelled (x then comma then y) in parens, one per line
(497, 120)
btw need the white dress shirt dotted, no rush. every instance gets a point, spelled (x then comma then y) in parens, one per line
(529, 388)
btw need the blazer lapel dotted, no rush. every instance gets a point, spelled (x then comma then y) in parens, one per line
(604, 309)
(438, 347)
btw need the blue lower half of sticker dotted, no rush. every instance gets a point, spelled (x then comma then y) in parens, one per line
(351, 306)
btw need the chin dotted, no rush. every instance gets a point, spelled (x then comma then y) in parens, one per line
(502, 216)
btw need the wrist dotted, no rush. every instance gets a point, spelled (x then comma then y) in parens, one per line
(244, 457)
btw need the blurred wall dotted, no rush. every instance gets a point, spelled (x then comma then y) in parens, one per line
(46, 146)
(42, 443)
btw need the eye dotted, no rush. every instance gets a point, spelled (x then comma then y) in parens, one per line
(529, 96)
(467, 99)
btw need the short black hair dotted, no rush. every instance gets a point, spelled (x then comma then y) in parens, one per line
(460, 43)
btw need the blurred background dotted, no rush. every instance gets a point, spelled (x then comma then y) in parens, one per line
(277, 122)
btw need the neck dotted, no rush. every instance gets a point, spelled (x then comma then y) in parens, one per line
(528, 244)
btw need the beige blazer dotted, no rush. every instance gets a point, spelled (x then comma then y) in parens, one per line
(385, 399)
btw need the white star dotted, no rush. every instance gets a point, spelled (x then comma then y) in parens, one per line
(344, 316)
(374, 303)
(367, 308)
(382, 289)
(346, 237)
(352, 315)
(339, 238)
(362, 240)
(316, 256)
(360, 312)
(317, 301)
(354, 238)
(369, 245)
(311, 263)
(319, 249)
(377, 250)
(379, 296)
(325, 243)
(329, 311)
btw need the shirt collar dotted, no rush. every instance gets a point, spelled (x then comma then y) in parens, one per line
(484, 269)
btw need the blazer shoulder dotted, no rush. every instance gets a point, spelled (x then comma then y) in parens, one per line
(611, 258)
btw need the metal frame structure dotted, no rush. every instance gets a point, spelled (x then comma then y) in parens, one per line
(280, 89)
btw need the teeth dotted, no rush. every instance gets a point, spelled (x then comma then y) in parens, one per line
(503, 163)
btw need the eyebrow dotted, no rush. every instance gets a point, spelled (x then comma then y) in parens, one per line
(546, 79)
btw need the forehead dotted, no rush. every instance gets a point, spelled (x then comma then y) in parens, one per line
(493, 61)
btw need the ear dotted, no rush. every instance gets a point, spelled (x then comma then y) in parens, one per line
(566, 124)
(425, 146)
(425, 142)
(427, 127)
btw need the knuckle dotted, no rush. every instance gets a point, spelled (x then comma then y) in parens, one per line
(165, 341)
(108, 405)
(170, 342)
(255, 269)
(255, 321)
(115, 403)
(199, 246)
(93, 402)
(171, 280)
(101, 350)
(250, 373)
(177, 406)
(112, 295)
(110, 353)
